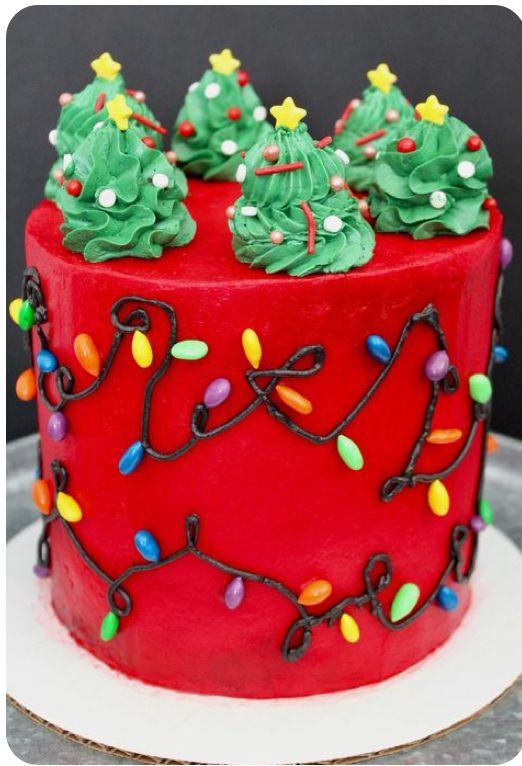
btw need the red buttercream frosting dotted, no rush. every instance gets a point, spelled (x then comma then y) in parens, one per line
(268, 500)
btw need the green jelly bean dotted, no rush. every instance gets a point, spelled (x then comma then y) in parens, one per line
(349, 453)
(26, 316)
(109, 626)
(404, 601)
(486, 512)
(189, 350)
(480, 388)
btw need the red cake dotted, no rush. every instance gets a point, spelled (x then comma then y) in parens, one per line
(257, 484)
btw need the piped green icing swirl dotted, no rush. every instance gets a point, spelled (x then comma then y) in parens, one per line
(277, 201)
(405, 182)
(365, 119)
(201, 154)
(144, 219)
(78, 118)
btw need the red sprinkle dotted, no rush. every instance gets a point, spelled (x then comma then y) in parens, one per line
(310, 220)
(186, 129)
(489, 203)
(474, 143)
(323, 142)
(349, 108)
(149, 123)
(234, 113)
(100, 103)
(73, 187)
(242, 153)
(283, 168)
(406, 145)
(370, 137)
(148, 141)
(242, 78)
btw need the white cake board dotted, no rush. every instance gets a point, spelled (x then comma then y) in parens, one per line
(57, 681)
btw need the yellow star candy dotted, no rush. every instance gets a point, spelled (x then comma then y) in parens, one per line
(105, 66)
(224, 62)
(432, 110)
(287, 114)
(119, 111)
(382, 78)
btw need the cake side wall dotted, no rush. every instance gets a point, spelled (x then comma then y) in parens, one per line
(269, 501)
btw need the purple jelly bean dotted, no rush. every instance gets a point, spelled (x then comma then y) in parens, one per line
(57, 426)
(477, 523)
(234, 593)
(216, 392)
(506, 252)
(437, 365)
(41, 571)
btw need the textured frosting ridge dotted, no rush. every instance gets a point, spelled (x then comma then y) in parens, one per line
(78, 117)
(438, 188)
(201, 154)
(366, 118)
(145, 216)
(276, 237)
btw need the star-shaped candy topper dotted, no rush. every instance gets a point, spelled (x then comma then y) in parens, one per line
(224, 62)
(119, 111)
(105, 66)
(382, 78)
(287, 114)
(432, 110)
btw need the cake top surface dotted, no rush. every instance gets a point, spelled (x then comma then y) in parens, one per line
(209, 257)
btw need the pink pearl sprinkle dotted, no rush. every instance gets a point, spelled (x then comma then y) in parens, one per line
(276, 237)
(64, 98)
(58, 176)
(363, 206)
(230, 211)
(139, 96)
(392, 115)
(271, 153)
(355, 103)
(370, 152)
(171, 156)
(336, 183)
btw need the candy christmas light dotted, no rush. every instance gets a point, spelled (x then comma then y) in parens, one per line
(404, 606)
(439, 372)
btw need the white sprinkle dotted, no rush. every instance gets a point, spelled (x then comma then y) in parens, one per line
(67, 160)
(53, 137)
(332, 223)
(249, 210)
(343, 156)
(160, 180)
(107, 198)
(241, 173)
(212, 90)
(98, 125)
(229, 147)
(193, 87)
(259, 114)
(466, 169)
(438, 199)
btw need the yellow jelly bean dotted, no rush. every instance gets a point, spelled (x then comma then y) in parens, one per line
(68, 508)
(141, 349)
(438, 498)
(349, 629)
(252, 347)
(14, 309)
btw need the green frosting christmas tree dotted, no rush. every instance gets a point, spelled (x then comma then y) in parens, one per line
(296, 213)
(221, 117)
(121, 197)
(433, 179)
(82, 111)
(367, 124)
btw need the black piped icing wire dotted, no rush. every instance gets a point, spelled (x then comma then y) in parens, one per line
(299, 635)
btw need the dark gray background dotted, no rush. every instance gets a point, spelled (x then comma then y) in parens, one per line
(469, 56)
